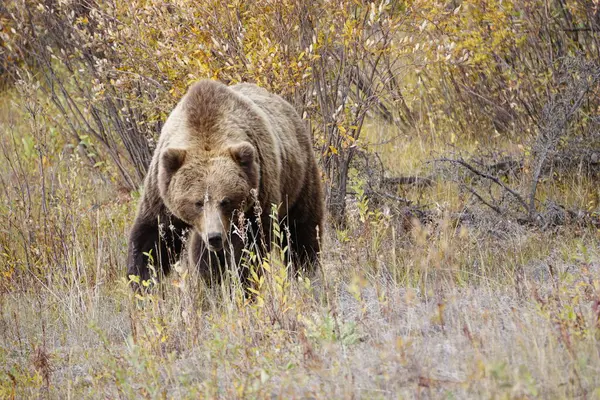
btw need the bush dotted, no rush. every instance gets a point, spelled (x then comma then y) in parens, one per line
(474, 68)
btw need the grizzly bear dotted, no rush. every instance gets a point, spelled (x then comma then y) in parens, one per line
(225, 155)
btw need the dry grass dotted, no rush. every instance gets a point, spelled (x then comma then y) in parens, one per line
(486, 309)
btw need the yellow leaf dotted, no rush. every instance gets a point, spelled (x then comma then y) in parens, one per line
(266, 266)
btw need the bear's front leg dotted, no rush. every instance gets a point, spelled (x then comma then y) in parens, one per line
(155, 239)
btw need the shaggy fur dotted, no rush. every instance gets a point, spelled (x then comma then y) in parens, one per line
(218, 146)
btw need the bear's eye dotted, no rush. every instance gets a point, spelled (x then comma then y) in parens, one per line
(225, 202)
(199, 204)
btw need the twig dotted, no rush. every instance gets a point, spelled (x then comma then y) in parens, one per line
(487, 176)
(480, 198)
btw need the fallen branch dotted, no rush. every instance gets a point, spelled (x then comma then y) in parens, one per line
(487, 176)
(417, 181)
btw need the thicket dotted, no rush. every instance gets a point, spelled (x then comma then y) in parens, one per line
(106, 74)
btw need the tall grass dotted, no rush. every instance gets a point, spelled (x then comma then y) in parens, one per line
(401, 307)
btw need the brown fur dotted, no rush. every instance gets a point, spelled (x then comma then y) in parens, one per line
(217, 145)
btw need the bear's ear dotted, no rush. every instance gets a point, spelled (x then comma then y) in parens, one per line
(243, 154)
(172, 160)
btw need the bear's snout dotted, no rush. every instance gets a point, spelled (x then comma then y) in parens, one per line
(215, 241)
(214, 227)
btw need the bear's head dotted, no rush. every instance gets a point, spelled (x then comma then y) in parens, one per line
(206, 188)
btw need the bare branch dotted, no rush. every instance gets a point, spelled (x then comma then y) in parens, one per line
(489, 177)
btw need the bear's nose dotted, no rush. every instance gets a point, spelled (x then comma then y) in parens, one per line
(215, 240)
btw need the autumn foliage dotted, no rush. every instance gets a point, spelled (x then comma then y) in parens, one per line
(478, 68)
(459, 145)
